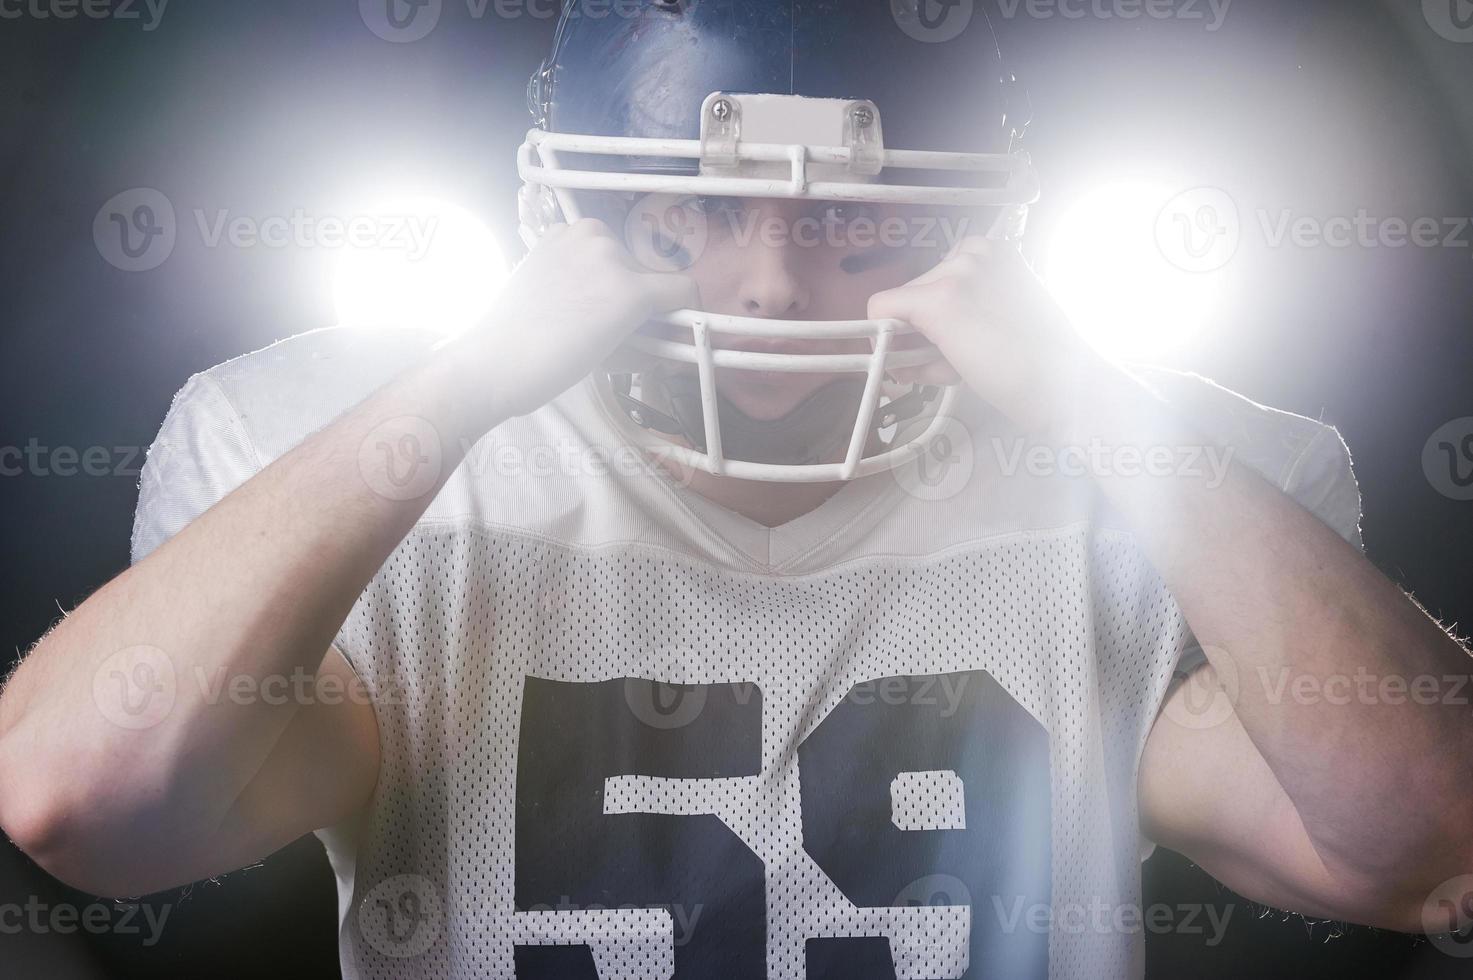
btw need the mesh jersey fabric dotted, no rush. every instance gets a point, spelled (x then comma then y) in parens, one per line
(628, 734)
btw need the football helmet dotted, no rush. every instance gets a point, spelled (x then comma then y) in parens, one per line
(869, 101)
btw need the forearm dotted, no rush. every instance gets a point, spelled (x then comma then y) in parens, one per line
(1346, 688)
(109, 743)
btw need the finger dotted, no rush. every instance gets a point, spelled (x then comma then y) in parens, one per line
(963, 266)
(591, 228)
(939, 373)
(672, 291)
(967, 244)
(901, 303)
(977, 245)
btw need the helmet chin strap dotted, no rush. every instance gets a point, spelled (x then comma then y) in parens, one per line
(816, 431)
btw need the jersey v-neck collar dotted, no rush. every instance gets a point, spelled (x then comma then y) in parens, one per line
(805, 543)
(802, 545)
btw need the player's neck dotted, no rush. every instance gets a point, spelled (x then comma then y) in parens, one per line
(768, 504)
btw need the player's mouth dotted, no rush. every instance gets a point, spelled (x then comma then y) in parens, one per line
(785, 380)
(783, 345)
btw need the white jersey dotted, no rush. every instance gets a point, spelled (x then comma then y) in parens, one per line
(629, 734)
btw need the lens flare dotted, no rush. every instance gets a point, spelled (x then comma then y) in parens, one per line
(1130, 289)
(422, 263)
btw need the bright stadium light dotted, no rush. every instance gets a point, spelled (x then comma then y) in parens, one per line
(1116, 268)
(417, 262)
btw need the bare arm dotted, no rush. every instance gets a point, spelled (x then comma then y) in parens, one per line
(1330, 785)
(123, 754)
(126, 765)
(1355, 806)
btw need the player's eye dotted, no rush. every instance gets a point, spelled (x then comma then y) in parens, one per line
(847, 212)
(710, 204)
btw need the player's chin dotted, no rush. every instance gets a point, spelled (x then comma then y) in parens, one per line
(771, 395)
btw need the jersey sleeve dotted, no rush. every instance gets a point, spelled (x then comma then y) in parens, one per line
(1324, 481)
(201, 454)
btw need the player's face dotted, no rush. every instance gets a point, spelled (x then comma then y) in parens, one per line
(799, 260)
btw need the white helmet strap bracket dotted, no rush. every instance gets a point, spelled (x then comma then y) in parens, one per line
(729, 120)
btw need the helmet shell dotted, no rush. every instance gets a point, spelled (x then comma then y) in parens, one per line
(641, 68)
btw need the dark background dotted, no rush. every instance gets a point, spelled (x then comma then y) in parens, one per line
(266, 106)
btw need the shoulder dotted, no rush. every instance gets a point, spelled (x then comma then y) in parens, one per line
(227, 423)
(1304, 457)
(283, 393)
(988, 481)
(1269, 439)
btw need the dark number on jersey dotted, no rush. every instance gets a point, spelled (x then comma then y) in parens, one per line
(571, 855)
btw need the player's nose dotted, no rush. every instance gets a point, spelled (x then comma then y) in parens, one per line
(771, 285)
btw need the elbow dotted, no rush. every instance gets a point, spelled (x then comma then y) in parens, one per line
(1440, 900)
(1429, 900)
(47, 839)
(29, 820)
(45, 828)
